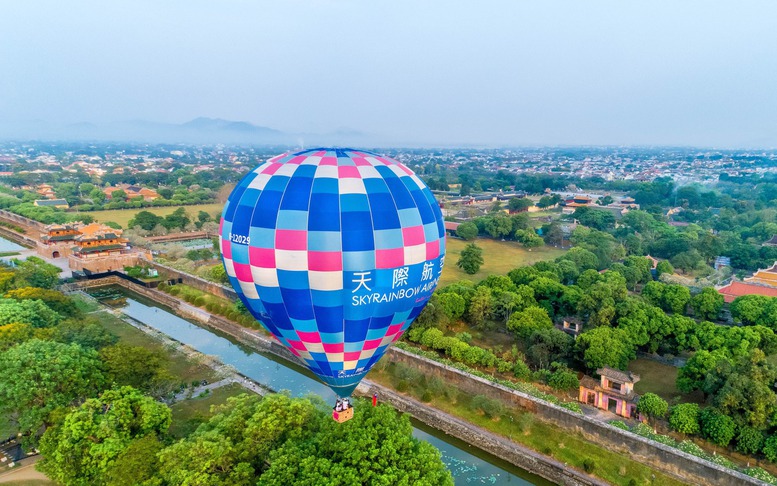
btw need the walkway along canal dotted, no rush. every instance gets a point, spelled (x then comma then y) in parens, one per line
(468, 464)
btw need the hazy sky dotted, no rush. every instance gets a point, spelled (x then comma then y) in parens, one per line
(426, 72)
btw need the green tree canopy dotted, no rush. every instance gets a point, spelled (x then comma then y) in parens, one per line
(684, 418)
(471, 259)
(467, 231)
(61, 374)
(82, 449)
(605, 346)
(707, 304)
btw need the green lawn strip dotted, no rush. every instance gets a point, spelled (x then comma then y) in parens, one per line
(123, 216)
(190, 413)
(525, 428)
(179, 365)
(499, 258)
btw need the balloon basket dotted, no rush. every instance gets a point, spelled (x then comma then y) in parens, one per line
(342, 416)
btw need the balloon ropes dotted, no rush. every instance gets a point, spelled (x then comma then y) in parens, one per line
(335, 252)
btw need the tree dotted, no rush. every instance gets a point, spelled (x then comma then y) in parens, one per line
(518, 204)
(749, 309)
(480, 306)
(32, 312)
(684, 418)
(453, 304)
(81, 450)
(529, 238)
(13, 334)
(692, 375)
(137, 463)
(605, 346)
(61, 374)
(176, 220)
(467, 231)
(499, 225)
(35, 272)
(87, 332)
(717, 427)
(744, 392)
(57, 301)
(676, 298)
(548, 345)
(531, 319)
(664, 267)
(653, 406)
(471, 259)
(707, 304)
(584, 259)
(378, 448)
(135, 366)
(146, 220)
(548, 201)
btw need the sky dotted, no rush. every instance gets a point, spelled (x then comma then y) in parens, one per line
(487, 72)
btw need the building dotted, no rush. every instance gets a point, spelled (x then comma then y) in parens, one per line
(766, 276)
(51, 203)
(99, 248)
(614, 392)
(738, 289)
(58, 239)
(570, 325)
(132, 192)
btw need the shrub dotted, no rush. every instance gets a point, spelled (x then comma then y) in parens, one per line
(770, 448)
(563, 379)
(717, 427)
(684, 418)
(749, 440)
(619, 424)
(488, 406)
(589, 465)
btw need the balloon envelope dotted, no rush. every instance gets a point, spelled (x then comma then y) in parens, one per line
(335, 252)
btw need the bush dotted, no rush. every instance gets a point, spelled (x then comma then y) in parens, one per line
(749, 440)
(589, 465)
(487, 406)
(684, 418)
(619, 424)
(770, 448)
(717, 427)
(563, 379)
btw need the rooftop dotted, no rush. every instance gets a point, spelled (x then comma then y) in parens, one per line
(738, 289)
(618, 375)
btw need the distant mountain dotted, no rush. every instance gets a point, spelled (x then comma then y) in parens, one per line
(199, 130)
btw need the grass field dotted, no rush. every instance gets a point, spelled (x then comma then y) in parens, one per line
(659, 378)
(122, 216)
(189, 414)
(180, 366)
(499, 258)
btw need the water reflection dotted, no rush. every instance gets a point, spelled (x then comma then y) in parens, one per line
(474, 467)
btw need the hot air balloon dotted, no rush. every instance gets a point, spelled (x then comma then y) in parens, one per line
(335, 252)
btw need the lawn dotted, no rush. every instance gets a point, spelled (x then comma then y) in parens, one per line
(122, 216)
(180, 366)
(189, 414)
(499, 257)
(659, 378)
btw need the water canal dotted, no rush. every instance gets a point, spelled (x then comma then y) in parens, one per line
(469, 465)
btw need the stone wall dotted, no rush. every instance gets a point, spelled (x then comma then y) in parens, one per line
(672, 461)
(194, 281)
(659, 456)
(496, 445)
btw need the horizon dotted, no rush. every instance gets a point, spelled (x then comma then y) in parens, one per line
(400, 75)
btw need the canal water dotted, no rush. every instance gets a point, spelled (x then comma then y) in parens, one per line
(469, 465)
(7, 245)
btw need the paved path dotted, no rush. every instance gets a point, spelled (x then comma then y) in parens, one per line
(25, 471)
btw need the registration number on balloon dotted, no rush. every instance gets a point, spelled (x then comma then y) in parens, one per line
(240, 239)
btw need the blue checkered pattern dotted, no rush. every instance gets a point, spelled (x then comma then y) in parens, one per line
(335, 252)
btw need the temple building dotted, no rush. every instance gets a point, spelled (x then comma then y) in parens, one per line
(90, 247)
